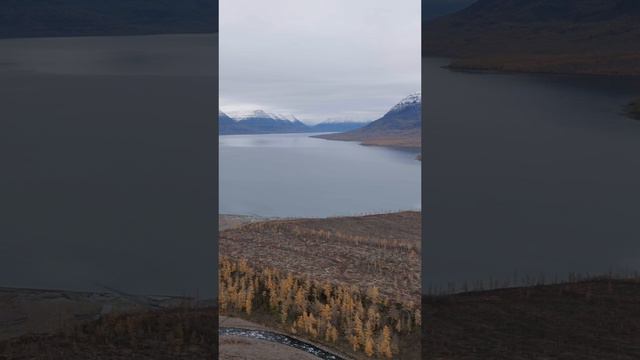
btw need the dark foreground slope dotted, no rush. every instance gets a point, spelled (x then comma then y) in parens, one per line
(72, 325)
(550, 36)
(180, 333)
(590, 320)
(44, 18)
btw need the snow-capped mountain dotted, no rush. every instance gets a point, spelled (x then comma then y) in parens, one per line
(262, 122)
(227, 125)
(409, 101)
(260, 114)
(404, 116)
(400, 126)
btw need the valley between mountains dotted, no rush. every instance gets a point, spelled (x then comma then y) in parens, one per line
(399, 127)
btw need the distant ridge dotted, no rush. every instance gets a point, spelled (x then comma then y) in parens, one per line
(401, 126)
(261, 122)
(550, 36)
(227, 125)
(46, 18)
(337, 126)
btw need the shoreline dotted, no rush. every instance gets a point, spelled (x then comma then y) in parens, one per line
(633, 109)
(246, 219)
(528, 64)
(389, 142)
(477, 66)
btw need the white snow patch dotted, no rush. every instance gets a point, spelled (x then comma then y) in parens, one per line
(245, 115)
(411, 100)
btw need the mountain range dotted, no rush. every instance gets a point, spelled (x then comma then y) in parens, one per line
(401, 126)
(261, 122)
(547, 36)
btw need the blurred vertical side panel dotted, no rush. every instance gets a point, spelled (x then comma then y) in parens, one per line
(108, 191)
(531, 179)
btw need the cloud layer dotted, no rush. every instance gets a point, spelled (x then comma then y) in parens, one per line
(319, 59)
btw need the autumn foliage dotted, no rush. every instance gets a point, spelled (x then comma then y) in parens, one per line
(324, 312)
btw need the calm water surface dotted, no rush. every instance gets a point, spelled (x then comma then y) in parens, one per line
(528, 175)
(107, 148)
(294, 175)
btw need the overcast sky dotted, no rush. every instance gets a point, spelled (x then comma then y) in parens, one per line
(319, 59)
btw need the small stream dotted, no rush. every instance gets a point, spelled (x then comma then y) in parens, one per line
(280, 339)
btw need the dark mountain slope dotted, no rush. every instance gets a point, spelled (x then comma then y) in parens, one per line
(432, 9)
(586, 320)
(556, 36)
(259, 122)
(548, 11)
(45, 18)
(400, 127)
(227, 125)
(270, 125)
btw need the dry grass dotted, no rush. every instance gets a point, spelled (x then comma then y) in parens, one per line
(352, 254)
(374, 250)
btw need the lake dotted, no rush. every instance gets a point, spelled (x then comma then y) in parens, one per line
(528, 175)
(295, 175)
(108, 151)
